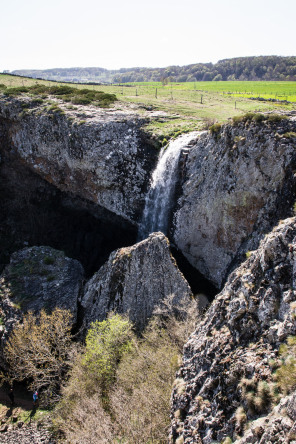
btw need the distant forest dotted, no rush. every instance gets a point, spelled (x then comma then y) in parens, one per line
(241, 68)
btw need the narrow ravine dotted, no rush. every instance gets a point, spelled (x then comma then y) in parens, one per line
(159, 199)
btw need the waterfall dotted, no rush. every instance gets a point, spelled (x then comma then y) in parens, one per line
(159, 199)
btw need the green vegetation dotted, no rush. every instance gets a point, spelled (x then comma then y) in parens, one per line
(240, 68)
(178, 107)
(67, 93)
(116, 387)
(285, 375)
(106, 342)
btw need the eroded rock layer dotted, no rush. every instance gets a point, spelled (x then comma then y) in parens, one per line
(237, 183)
(235, 344)
(134, 281)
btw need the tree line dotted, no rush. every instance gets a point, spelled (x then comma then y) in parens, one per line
(274, 68)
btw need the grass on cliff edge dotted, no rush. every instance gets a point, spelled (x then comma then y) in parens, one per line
(181, 107)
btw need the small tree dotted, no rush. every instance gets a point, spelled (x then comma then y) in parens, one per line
(106, 342)
(40, 351)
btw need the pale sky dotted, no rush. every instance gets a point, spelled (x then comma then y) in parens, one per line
(120, 34)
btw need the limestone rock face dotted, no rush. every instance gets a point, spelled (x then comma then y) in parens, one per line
(238, 337)
(134, 281)
(237, 184)
(102, 159)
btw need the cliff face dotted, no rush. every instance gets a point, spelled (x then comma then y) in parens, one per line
(234, 346)
(236, 184)
(76, 185)
(103, 159)
(134, 281)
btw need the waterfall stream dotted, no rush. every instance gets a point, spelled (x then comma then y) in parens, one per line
(159, 199)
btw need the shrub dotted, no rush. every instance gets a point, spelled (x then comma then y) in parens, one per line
(285, 375)
(274, 118)
(257, 394)
(81, 101)
(134, 404)
(16, 91)
(106, 342)
(40, 352)
(289, 135)
(216, 128)
(49, 260)
(141, 396)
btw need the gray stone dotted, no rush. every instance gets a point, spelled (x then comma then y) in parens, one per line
(134, 281)
(236, 186)
(238, 337)
(103, 159)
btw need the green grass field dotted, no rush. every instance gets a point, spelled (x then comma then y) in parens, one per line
(189, 105)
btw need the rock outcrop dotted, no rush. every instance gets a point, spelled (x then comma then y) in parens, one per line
(235, 344)
(41, 277)
(134, 281)
(237, 183)
(103, 159)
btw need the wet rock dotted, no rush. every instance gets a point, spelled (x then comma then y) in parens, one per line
(236, 185)
(238, 338)
(134, 281)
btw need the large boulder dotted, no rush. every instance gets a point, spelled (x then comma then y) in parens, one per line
(41, 277)
(134, 281)
(236, 343)
(238, 182)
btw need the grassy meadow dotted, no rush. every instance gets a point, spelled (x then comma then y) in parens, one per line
(189, 105)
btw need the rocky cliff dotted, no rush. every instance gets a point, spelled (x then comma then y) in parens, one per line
(98, 155)
(227, 376)
(238, 181)
(74, 179)
(134, 281)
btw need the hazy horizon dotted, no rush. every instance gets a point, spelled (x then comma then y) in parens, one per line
(144, 67)
(65, 34)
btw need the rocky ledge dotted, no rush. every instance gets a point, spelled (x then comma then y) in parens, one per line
(227, 373)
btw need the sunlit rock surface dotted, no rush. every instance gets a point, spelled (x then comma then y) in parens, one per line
(237, 184)
(239, 336)
(134, 281)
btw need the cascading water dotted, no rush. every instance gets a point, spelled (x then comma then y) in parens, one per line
(159, 199)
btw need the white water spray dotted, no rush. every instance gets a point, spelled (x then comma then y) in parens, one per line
(159, 199)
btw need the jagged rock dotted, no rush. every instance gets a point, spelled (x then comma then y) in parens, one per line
(237, 184)
(277, 427)
(238, 337)
(27, 434)
(134, 281)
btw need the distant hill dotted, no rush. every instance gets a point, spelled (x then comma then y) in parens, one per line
(241, 68)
